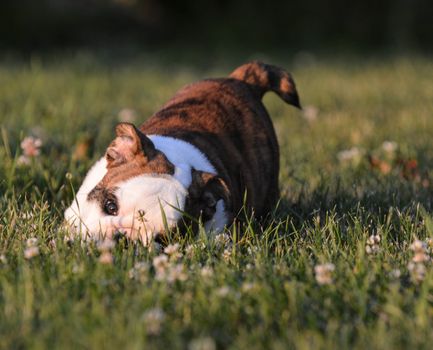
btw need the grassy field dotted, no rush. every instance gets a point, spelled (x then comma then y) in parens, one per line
(345, 261)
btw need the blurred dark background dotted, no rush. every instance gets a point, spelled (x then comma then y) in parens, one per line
(29, 25)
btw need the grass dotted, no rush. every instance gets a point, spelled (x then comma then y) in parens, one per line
(261, 291)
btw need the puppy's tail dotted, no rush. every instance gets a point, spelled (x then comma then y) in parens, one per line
(264, 77)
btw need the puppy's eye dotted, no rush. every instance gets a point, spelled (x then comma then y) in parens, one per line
(110, 207)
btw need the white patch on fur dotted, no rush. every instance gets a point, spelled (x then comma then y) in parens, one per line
(157, 201)
(145, 194)
(83, 215)
(186, 156)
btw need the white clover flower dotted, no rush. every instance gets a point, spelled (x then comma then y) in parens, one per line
(223, 291)
(420, 250)
(416, 267)
(153, 320)
(248, 287)
(371, 249)
(222, 240)
(204, 343)
(227, 254)
(139, 272)
(127, 115)
(417, 271)
(353, 154)
(31, 242)
(310, 113)
(251, 250)
(3, 259)
(389, 146)
(323, 273)
(52, 244)
(106, 258)
(373, 239)
(77, 269)
(189, 250)
(141, 266)
(420, 257)
(164, 271)
(372, 244)
(32, 249)
(249, 267)
(27, 215)
(160, 262)
(417, 246)
(23, 160)
(31, 146)
(171, 249)
(206, 272)
(176, 273)
(396, 273)
(31, 252)
(161, 265)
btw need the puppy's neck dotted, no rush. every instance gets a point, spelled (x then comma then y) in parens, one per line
(184, 156)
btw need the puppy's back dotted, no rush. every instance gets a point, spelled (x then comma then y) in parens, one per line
(226, 120)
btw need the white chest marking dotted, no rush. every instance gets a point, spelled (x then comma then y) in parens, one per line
(186, 156)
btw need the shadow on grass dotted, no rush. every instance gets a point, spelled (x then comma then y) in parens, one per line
(392, 203)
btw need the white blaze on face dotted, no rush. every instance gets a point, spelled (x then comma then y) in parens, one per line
(83, 215)
(147, 204)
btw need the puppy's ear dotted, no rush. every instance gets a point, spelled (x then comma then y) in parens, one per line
(129, 142)
(206, 190)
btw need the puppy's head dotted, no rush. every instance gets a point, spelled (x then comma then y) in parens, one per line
(137, 190)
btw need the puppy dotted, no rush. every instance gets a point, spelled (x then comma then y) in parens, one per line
(210, 150)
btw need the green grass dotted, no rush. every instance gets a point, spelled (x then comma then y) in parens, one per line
(262, 291)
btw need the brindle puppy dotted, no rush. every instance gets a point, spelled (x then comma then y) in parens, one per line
(211, 148)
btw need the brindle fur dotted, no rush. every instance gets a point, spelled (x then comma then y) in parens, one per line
(227, 121)
(205, 191)
(132, 154)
